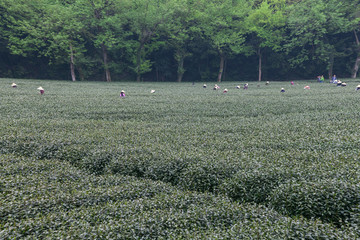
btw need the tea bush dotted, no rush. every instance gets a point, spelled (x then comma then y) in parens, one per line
(300, 148)
(331, 200)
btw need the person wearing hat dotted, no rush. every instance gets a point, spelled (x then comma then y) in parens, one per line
(216, 87)
(307, 87)
(267, 83)
(42, 91)
(358, 87)
(122, 93)
(237, 87)
(14, 85)
(204, 86)
(343, 84)
(225, 90)
(282, 90)
(246, 86)
(338, 83)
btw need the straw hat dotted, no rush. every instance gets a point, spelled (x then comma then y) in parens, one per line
(40, 88)
(13, 85)
(122, 91)
(152, 91)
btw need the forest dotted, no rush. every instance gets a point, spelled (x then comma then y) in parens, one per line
(179, 40)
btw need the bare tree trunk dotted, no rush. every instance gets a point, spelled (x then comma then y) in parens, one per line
(224, 74)
(180, 71)
(138, 62)
(357, 61)
(106, 66)
(72, 65)
(260, 61)
(331, 65)
(221, 69)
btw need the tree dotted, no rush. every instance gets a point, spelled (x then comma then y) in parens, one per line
(265, 27)
(316, 29)
(145, 19)
(180, 31)
(221, 24)
(45, 28)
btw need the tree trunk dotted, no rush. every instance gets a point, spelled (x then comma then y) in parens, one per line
(138, 62)
(221, 69)
(260, 59)
(72, 65)
(180, 71)
(331, 65)
(357, 61)
(106, 66)
(224, 74)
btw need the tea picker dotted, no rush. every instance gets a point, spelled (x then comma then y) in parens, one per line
(14, 85)
(358, 87)
(122, 93)
(42, 91)
(282, 90)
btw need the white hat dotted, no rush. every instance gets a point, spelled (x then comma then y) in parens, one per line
(40, 88)
(13, 85)
(152, 91)
(122, 91)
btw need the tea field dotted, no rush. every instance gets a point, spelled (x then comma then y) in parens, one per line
(185, 162)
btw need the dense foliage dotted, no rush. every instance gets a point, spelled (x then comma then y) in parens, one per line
(183, 162)
(178, 40)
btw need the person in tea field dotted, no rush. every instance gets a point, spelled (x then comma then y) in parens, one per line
(246, 86)
(282, 90)
(343, 84)
(237, 87)
(14, 85)
(122, 93)
(307, 87)
(42, 91)
(338, 83)
(216, 87)
(225, 90)
(333, 79)
(267, 83)
(204, 86)
(292, 83)
(358, 87)
(322, 79)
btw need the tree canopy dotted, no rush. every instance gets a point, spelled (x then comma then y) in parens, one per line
(179, 40)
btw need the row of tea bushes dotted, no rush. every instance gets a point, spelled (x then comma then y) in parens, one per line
(328, 191)
(50, 199)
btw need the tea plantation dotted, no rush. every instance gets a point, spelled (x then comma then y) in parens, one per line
(185, 162)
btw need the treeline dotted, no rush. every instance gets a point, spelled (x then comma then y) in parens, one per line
(179, 40)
